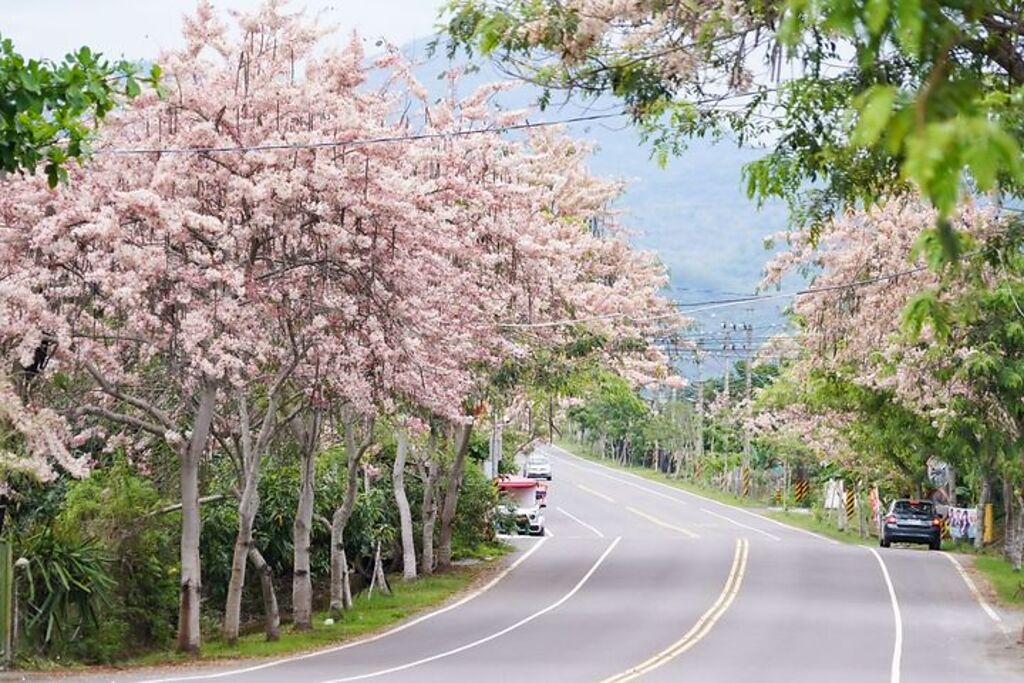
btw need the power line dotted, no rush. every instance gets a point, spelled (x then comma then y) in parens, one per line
(721, 303)
(329, 144)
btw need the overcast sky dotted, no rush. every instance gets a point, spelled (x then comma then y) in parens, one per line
(139, 29)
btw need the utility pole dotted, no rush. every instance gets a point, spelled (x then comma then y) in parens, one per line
(749, 329)
(728, 369)
(728, 346)
(700, 406)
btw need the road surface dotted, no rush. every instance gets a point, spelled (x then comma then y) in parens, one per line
(640, 581)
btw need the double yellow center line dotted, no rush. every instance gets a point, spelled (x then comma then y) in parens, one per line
(704, 624)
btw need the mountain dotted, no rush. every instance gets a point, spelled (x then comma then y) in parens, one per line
(694, 212)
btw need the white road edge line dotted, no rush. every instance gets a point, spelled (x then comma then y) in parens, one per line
(897, 646)
(741, 524)
(979, 598)
(363, 641)
(579, 521)
(496, 634)
(687, 493)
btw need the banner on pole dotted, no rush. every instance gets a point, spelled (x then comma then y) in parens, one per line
(876, 508)
(963, 522)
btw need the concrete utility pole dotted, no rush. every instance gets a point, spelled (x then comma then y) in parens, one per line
(728, 347)
(700, 406)
(728, 368)
(749, 329)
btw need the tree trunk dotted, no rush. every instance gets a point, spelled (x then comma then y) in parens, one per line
(189, 637)
(1008, 517)
(243, 543)
(251, 452)
(302, 581)
(272, 615)
(451, 496)
(339, 563)
(496, 443)
(341, 593)
(378, 577)
(346, 582)
(983, 500)
(551, 419)
(1017, 546)
(429, 511)
(404, 513)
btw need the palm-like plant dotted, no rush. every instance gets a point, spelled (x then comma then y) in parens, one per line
(68, 584)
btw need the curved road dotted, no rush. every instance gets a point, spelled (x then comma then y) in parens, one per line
(640, 581)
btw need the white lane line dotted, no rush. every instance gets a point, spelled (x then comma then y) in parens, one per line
(363, 641)
(548, 533)
(580, 521)
(685, 493)
(703, 626)
(741, 524)
(661, 523)
(897, 645)
(462, 648)
(973, 588)
(595, 493)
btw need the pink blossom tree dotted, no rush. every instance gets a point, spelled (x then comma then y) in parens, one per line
(218, 274)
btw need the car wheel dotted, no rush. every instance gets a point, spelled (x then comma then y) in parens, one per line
(935, 545)
(884, 542)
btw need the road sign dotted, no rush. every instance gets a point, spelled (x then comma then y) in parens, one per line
(800, 490)
(851, 504)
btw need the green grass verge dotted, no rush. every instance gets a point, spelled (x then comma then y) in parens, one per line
(368, 615)
(485, 552)
(1000, 575)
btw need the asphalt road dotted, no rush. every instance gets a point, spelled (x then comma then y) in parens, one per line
(639, 581)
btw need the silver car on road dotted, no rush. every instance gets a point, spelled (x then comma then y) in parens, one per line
(537, 467)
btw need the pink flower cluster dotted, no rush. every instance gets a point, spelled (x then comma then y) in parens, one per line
(215, 241)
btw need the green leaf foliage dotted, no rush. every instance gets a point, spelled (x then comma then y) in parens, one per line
(49, 110)
(864, 100)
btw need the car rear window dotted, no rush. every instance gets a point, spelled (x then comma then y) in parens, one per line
(909, 507)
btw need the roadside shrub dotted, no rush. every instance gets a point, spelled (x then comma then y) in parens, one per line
(119, 510)
(69, 583)
(278, 490)
(475, 512)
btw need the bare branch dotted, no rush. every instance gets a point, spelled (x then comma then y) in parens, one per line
(123, 419)
(154, 412)
(215, 498)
